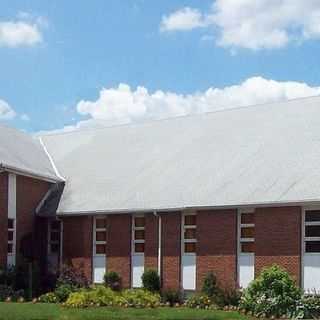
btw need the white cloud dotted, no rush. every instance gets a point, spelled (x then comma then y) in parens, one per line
(263, 24)
(24, 117)
(6, 111)
(182, 20)
(26, 31)
(123, 104)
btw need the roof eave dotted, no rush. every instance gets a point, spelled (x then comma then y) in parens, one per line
(309, 202)
(29, 173)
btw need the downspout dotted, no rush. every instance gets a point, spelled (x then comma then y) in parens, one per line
(61, 245)
(159, 243)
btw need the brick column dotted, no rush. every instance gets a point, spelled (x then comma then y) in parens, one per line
(217, 246)
(41, 243)
(29, 194)
(278, 239)
(119, 246)
(171, 250)
(151, 242)
(77, 243)
(3, 218)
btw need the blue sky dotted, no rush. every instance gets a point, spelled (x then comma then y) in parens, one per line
(53, 74)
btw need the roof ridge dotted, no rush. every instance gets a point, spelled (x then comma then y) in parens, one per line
(195, 114)
(51, 160)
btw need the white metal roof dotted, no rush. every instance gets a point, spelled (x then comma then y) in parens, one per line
(250, 155)
(21, 152)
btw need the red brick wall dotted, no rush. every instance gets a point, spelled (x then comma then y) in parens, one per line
(119, 246)
(171, 250)
(278, 239)
(151, 242)
(217, 246)
(3, 217)
(77, 243)
(29, 194)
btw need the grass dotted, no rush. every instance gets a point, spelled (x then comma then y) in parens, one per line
(42, 311)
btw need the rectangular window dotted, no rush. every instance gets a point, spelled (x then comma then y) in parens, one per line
(11, 236)
(100, 236)
(189, 233)
(138, 234)
(246, 236)
(312, 231)
(54, 237)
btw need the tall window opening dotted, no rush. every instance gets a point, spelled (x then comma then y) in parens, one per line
(246, 232)
(189, 239)
(100, 236)
(11, 237)
(138, 234)
(312, 231)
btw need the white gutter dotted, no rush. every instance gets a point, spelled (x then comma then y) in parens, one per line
(311, 202)
(28, 173)
(61, 245)
(159, 243)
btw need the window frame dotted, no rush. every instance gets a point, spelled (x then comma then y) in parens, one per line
(13, 241)
(94, 238)
(245, 225)
(186, 227)
(54, 242)
(304, 224)
(133, 229)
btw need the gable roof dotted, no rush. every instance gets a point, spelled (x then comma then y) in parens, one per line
(21, 152)
(266, 154)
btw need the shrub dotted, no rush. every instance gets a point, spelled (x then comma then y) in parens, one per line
(17, 277)
(140, 298)
(8, 276)
(220, 297)
(74, 277)
(231, 297)
(171, 296)
(78, 300)
(112, 280)
(272, 294)
(49, 297)
(151, 280)
(210, 287)
(102, 296)
(308, 307)
(8, 292)
(97, 296)
(201, 302)
(63, 291)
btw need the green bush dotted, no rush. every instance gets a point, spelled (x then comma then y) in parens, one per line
(201, 302)
(171, 296)
(220, 297)
(151, 280)
(8, 292)
(231, 297)
(102, 296)
(308, 307)
(272, 294)
(78, 299)
(140, 298)
(8, 276)
(210, 287)
(97, 296)
(63, 291)
(112, 280)
(49, 297)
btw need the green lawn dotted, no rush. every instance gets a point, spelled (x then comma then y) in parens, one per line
(39, 311)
